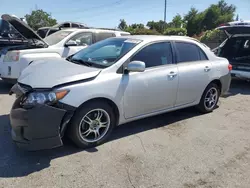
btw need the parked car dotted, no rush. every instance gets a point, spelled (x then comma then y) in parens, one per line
(60, 44)
(9, 36)
(236, 48)
(113, 82)
(46, 31)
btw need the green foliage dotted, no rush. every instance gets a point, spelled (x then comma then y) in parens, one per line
(123, 24)
(39, 18)
(212, 36)
(177, 22)
(158, 26)
(176, 31)
(194, 22)
(142, 31)
(212, 17)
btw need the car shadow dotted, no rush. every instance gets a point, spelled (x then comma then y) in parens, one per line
(238, 87)
(15, 162)
(5, 87)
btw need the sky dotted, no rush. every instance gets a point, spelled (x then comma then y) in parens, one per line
(107, 13)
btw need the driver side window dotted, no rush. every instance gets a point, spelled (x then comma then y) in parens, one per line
(156, 54)
(82, 39)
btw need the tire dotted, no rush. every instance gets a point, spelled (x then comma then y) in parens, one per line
(79, 126)
(203, 106)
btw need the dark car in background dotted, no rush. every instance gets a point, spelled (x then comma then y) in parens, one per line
(46, 31)
(9, 36)
(236, 48)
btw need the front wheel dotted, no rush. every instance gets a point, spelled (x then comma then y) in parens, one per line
(209, 98)
(92, 124)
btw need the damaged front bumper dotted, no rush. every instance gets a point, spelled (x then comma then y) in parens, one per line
(40, 126)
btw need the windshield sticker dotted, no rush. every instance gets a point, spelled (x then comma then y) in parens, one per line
(132, 41)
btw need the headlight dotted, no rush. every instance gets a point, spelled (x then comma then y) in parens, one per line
(45, 97)
(11, 56)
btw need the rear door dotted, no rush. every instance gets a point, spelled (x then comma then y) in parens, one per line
(194, 71)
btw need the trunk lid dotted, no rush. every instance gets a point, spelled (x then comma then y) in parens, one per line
(235, 28)
(22, 27)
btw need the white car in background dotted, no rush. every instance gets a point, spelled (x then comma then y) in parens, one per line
(58, 45)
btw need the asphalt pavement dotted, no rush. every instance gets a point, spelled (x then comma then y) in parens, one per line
(180, 149)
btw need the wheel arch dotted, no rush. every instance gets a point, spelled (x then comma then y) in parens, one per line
(109, 101)
(217, 82)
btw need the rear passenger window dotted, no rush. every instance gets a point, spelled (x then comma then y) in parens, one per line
(102, 36)
(75, 25)
(202, 55)
(155, 55)
(187, 52)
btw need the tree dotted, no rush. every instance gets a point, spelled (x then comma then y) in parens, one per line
(177, 22)
(192, 20)
(158, 26)
(225, 8)
(135, 26)
(39, 18)
(211, 17)
(175, 31)
(122, 25)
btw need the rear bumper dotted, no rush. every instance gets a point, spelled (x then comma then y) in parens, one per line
(241, 74)
(37, 128)
(225, 83)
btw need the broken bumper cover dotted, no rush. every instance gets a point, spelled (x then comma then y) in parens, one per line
(225, 83)
(38, 127)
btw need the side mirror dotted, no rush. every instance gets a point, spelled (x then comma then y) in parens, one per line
(136, 66)
(70, 43)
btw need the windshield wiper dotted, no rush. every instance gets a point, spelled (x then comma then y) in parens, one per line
(80, 61)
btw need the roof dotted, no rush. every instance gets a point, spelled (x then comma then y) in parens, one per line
(92, 30)
(159, 37)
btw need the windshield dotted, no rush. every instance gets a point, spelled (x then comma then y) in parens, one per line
(106, 52)
(56, 37)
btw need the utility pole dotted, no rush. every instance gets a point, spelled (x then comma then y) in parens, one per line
(165, 12)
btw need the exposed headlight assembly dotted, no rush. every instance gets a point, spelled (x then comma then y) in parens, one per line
(45, 97)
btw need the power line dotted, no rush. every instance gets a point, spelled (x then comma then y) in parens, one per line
(90, 8)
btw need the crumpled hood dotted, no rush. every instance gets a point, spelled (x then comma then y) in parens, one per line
(52, 72)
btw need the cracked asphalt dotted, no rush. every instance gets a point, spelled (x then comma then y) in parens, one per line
(180, 149)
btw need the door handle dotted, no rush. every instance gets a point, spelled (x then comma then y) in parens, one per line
(172, 74)
(207, 68)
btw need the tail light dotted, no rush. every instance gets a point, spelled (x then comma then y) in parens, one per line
(230, 67)
(11, 56)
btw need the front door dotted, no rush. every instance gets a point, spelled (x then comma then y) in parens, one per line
(156, 88)
(194, 72)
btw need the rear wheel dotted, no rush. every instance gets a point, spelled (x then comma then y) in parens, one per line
(92, 125)
(209, 98)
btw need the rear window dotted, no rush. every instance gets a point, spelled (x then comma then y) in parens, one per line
(103, 35)
(42, 32)
(125, 34)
